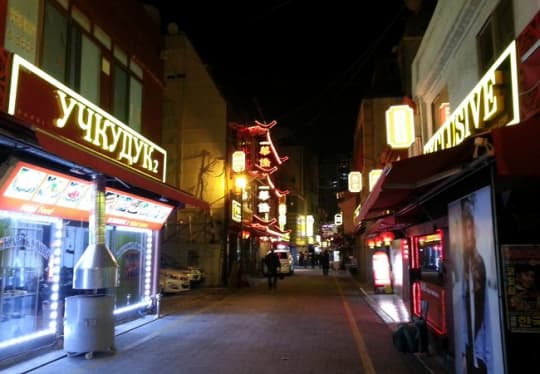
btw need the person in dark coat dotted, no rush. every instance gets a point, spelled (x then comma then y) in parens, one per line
(325, 261)
(273, 266)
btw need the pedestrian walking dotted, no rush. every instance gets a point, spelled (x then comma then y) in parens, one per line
(273, 266)
(325, 261)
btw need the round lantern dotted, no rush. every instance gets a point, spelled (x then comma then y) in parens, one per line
(387, 237)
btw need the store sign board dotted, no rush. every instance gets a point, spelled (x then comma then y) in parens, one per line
(39, 99)
(493, 102)
(35, 190)
(236, 211)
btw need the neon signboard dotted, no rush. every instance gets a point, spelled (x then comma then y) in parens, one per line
(37, 98)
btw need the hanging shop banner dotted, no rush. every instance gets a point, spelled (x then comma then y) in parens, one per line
(474, 280)
(35, 190)
(522, 287)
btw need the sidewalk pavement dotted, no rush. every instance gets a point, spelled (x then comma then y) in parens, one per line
(389, 307)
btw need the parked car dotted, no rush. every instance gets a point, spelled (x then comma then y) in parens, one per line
(286, 260)
(173, 282)
(193, 275)
(202, 274)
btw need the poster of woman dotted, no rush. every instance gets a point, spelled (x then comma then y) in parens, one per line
(476, 307)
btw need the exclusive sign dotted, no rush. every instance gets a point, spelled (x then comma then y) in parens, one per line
(39, 99)
(493, 102)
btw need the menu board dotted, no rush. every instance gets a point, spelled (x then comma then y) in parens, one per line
(32, 189)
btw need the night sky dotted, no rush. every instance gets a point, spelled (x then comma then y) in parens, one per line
(303, 63)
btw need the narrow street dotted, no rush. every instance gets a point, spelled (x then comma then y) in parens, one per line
(310, 324)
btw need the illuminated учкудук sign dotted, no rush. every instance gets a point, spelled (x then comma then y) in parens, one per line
(105, 134)
(47, 104)
(485, 103)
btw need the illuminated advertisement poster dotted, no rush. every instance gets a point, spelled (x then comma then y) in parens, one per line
(32, 189)
(476, 307)
(382, 278)
(522, 287)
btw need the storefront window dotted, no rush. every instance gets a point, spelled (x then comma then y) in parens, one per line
(130, 250)
(430, 253)
(28, 258)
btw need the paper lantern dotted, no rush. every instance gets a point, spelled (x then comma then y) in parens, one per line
(387, 237)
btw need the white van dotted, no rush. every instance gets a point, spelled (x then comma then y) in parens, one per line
(286, 259)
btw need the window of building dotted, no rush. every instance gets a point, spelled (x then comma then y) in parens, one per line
(21, 29)
(55, 39)
(127, 100)
(68, 42)
(495, 35)
(135, 104)
(120, 107)
(66, 63)
(440, 109)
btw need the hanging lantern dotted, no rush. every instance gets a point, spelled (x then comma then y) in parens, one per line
(355, 181)
(400, 126)
(378, 241)
(387, 237)
(245, 234)
(371, 243)
(238, 161)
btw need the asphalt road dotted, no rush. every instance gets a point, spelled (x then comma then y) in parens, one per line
(310, 324)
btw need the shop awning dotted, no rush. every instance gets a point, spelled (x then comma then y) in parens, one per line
(388, 223)
(516, 149)
(403, 180)
(71, 152)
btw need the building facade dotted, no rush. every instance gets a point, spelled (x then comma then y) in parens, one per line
(462, 208)
(84, 197)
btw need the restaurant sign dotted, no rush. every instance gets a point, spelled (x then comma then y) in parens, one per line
(493, 102)
(40, 100)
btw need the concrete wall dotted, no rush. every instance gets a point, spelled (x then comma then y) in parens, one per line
(194, 135)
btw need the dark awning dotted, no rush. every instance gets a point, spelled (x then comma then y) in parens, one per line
(516, 149)
(403, 180)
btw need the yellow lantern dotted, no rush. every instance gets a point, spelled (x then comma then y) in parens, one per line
(399, 126)
(355, 181)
